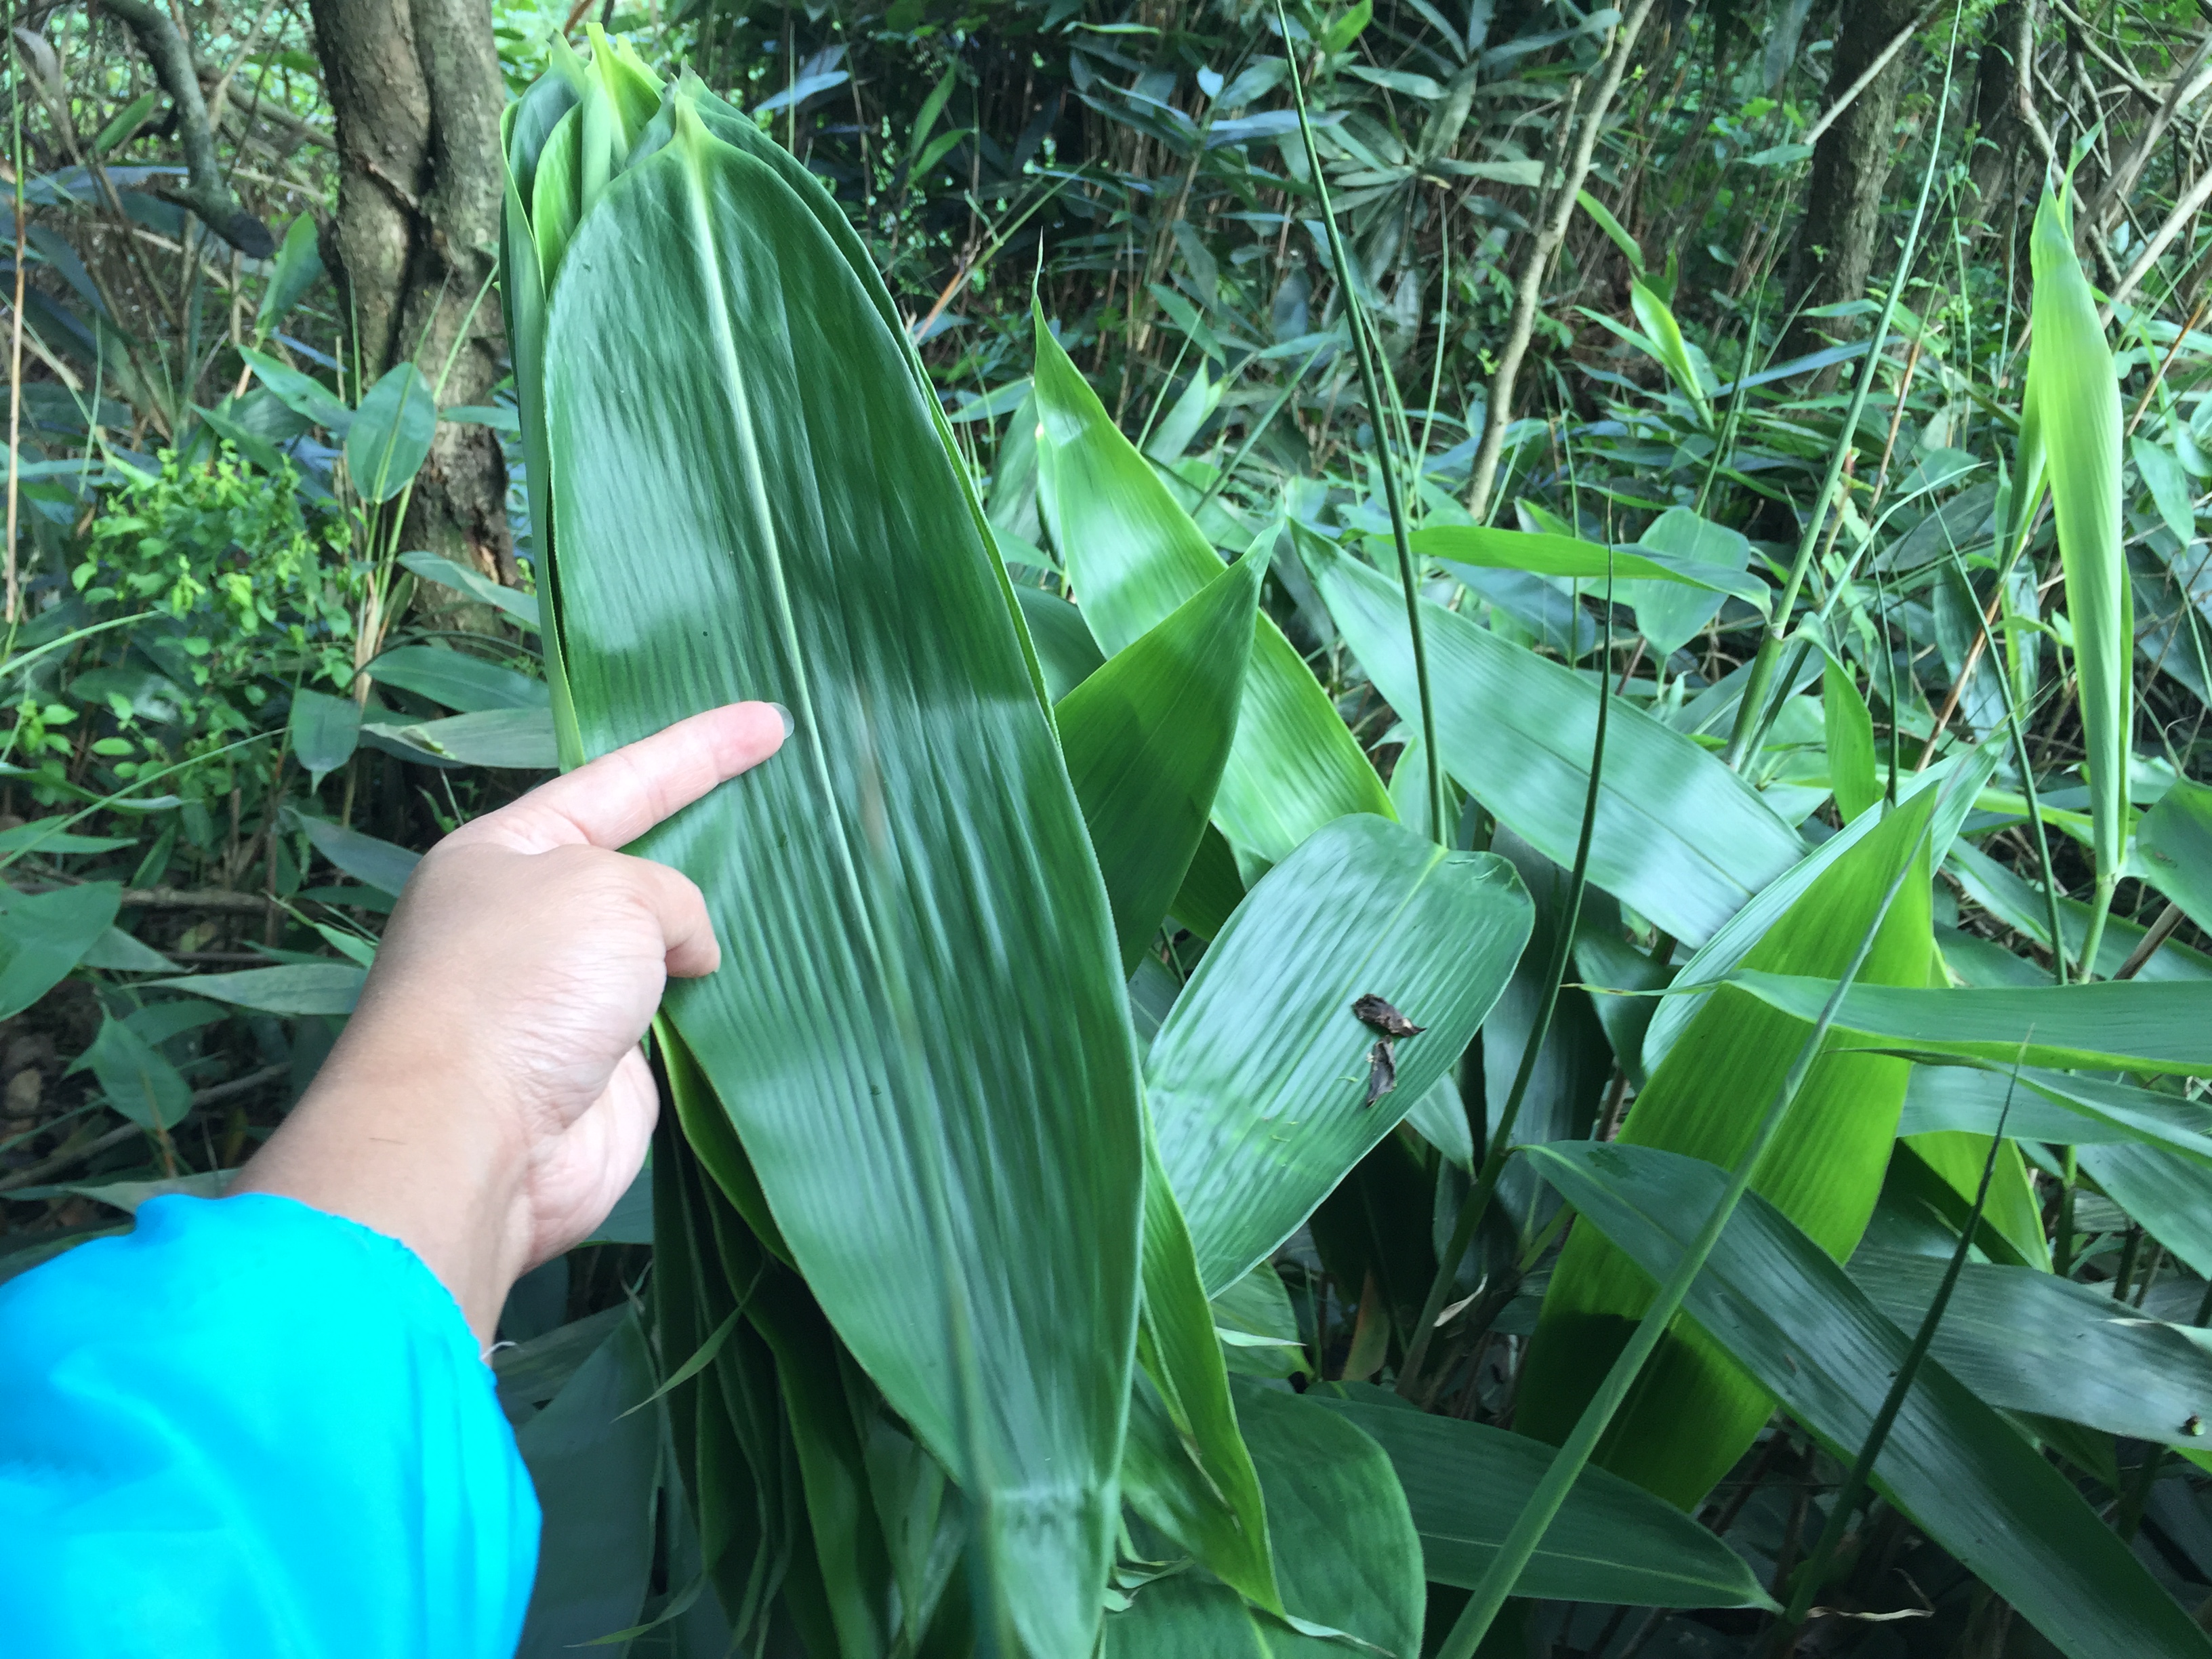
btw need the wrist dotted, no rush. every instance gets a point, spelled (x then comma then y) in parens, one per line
(415, 1151)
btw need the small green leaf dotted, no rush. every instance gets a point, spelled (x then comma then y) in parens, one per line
(391, 434)
(1849, 730)
(323, 733)
(43, 935)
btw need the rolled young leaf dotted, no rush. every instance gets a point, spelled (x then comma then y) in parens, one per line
(1850, 732)
(1185, 1464)
(1259, 1080)
(1132, 556)
(928, 1056)
(1346, 1553)
(1693, 1411)
(2076, 398)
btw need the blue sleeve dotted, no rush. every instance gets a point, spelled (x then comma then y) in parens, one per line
(250, 1428)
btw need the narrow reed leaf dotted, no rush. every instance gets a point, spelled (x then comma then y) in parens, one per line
(1751, 709)
(2135, 1025)
(1786, 1312)
(1549, 554)
(1380, 419)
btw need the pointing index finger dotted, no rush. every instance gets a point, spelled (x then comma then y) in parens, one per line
(611, 801)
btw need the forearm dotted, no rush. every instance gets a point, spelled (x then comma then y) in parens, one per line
(253, 1428)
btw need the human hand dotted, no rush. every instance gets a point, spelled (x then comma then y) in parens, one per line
(488, 1102)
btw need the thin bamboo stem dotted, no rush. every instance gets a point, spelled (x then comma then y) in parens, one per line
(1355, 312)
(1825, 499)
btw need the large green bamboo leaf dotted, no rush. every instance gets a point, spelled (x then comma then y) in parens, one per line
(1795, 1320)
(1668, 614)
(928, 1054)
(1346, 1554)
(2026, 1340)
(1678, 835)
(1613, 1541)
(1259, 1078)
(1695, 1410)
(1145, 738)
(2076, 397)
(1134, 555)
(2124, 1024)
(733, 126)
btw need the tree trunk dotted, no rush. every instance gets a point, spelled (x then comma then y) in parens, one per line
(1836, 243)
(415, 86)
(2001, 138)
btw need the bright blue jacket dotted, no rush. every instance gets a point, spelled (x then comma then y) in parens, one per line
(249, 1430)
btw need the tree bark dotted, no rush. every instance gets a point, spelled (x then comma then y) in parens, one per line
(415, 90)
(2001, 137)
(1850, 167)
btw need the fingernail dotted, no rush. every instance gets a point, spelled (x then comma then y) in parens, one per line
(789, 724)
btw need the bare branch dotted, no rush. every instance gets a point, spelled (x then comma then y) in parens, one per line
(1867, 76)
(206, 193)
(1550, 231)
(2188, 85)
